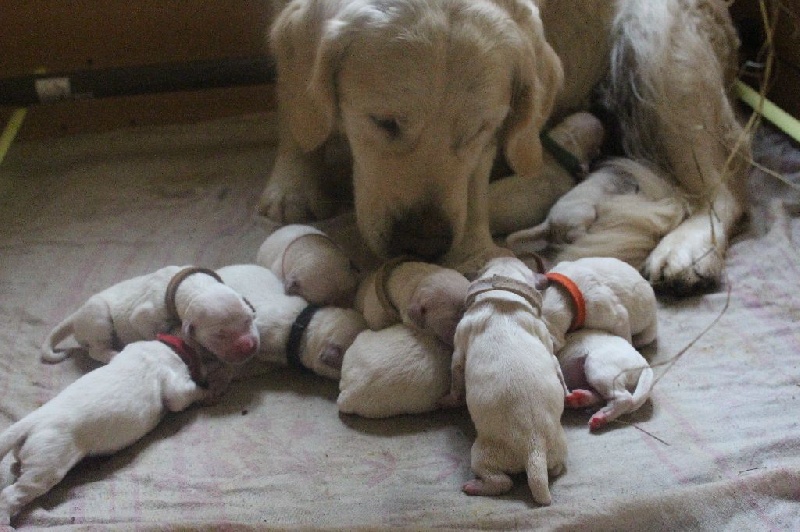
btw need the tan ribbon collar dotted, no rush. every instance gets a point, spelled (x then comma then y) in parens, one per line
(323, 236)
(175, 282)
(382, 284)
(507, 284)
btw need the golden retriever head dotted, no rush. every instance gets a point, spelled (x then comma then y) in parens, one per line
(425, 92)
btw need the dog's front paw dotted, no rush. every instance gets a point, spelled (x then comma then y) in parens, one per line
(294, 205)
(689, 259)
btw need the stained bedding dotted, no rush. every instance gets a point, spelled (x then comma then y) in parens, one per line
(716, 448)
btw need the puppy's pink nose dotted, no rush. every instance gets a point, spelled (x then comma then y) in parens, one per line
(245, 345)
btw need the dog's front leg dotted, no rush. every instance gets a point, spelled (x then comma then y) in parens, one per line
(475, 246)
(294, 191)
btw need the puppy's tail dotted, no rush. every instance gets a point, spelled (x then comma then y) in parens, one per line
(56, 336)
(538, 479)
(643, 388)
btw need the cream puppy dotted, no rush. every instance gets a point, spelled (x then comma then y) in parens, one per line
(599, 293)
(419, 294)
(310, 264)
(394, 371)
(209, 313)
(621, 210)
(102, 412)
(572, 145)
(599, 366)
(514, 388)
(293, 331)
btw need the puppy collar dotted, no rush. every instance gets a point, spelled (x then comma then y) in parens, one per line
(187, 354)
(507, 284)
(175, 282)
(294, 241)
(565, 158)
(382, 284)
(577, 298)
(296, 336)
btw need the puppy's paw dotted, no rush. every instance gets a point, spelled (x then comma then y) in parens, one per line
(598, 421)
(689, 259)
(581, 399)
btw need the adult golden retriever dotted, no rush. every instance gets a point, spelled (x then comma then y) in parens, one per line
(428, 93)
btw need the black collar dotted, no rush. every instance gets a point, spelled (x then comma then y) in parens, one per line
(296, 336)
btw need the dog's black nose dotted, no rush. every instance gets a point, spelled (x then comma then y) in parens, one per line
(423, 232)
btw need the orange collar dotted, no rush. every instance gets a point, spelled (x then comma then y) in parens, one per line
(577, 297)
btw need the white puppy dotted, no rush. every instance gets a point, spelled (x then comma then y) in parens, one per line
(599, 366)
(209, 313)
(394, 371)
(100, 413)
(418, 294)
(293, 331)
(514, 388)
(621, 210)
(600, 293)
(310, 264)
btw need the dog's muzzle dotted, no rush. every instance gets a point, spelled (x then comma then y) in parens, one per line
(424, 232)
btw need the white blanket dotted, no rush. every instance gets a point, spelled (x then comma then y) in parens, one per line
(717, 448)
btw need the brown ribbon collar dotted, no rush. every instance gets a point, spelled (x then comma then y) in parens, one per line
(175, 282)
(501, 282)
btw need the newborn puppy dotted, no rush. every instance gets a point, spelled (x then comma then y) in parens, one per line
(210, 314)
(100, 413)
(394, 371)
(419, 294)
(310, 264)
(514, 388)
(599, 293)
(599, 366)
(293, 331)
(621, 210)
(571, 146)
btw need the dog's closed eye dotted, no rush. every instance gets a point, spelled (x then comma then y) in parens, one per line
(388, 124)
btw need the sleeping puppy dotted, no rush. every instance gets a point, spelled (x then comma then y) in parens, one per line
(209, 314)
(427, 95)
(393, 371)
(419, 294)
(599, 293)
(310, 265)
(599, 366)
(293, 331)
(102, 412)
(621, 210)
(514, 389)
(580, 136)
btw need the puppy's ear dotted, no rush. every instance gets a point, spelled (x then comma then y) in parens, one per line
(303, 42)
(538, 77)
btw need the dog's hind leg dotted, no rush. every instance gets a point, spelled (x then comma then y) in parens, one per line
(490, 481)
(673, 64)
(45, 458)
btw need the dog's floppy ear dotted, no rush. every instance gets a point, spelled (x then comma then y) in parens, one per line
(538, 77)
(304, 43)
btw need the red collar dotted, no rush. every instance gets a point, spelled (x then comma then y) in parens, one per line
(577, 298)
(187, 354)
